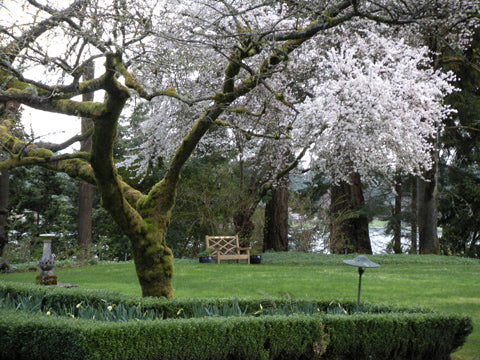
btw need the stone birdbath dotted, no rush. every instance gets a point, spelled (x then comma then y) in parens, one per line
(47, 262)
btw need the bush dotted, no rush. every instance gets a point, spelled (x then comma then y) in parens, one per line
(396, 335)
(25, 336)
(218, 328)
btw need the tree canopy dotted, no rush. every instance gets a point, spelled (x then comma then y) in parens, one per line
(207, 65)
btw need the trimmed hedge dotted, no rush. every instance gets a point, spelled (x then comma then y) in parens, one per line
(396, 335)
(29, 336)
(379, 332)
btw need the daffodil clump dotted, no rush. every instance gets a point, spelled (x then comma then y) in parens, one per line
(82, 310)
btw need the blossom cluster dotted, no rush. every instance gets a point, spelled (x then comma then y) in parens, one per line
(381, 103)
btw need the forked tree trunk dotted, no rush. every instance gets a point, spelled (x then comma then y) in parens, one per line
(275, 234)
(349, 225)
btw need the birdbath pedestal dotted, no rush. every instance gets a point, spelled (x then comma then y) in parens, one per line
(47, 262)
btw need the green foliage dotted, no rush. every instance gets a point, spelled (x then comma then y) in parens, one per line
(204, 338)
(206, 201)
(383, 336)
(82, 310)
(444, 283)
(55, 338)
(109, 241)
(41, 201)
(379, 332)
(459, 206)
(107, 306)
(47, 202)
(304, 259)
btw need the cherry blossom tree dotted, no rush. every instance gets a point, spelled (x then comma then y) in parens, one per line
(206, 57)
(380, 101)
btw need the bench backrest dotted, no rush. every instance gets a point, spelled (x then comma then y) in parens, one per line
(223, 245)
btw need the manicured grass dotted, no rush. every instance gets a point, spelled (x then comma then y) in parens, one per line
(443, 283)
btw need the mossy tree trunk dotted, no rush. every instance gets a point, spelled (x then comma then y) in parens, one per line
(4, 189)
(8, 110)
(86, 190)
(144, 218)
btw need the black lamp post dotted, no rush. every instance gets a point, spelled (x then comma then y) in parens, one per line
(361, 261)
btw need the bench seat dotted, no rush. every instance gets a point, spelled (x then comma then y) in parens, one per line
(227, 248)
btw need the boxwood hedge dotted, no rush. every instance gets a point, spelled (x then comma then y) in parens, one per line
(263, 329)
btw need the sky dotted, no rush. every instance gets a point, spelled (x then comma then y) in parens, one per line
(50, 127)
(45, 126)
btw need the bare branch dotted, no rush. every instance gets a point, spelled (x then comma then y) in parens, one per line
(57, 147)
(249, 133)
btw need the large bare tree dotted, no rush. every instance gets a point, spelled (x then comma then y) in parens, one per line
(44, 52)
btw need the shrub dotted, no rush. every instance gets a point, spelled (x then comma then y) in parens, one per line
(216, 328)
(280, 337)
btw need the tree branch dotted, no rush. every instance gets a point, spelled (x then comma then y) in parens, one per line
(57, 147)
(248, 133)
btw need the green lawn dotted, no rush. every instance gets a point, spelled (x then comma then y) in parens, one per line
(442, 283)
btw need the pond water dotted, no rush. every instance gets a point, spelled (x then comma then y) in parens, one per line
(381, 242)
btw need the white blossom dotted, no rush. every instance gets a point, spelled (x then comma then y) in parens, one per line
(381, 103)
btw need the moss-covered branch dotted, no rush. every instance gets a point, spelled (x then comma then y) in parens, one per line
(132, 83)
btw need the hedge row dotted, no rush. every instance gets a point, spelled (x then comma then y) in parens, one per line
(29, 336)
(381, 333)
(396, 335)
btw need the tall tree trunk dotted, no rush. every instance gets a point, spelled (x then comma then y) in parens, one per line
(4, 196)
(85, 191)
(427, 207)
(8, 110)
(427, 214)
(275, 235)
(413, 218)
(349, 226)
(397, 217)
(242, 218)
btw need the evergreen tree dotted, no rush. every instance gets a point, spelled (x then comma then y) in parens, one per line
(459, 206)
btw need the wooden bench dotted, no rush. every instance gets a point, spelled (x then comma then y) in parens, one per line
(226, 248)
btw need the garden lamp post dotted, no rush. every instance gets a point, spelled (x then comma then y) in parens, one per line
(362, 262)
